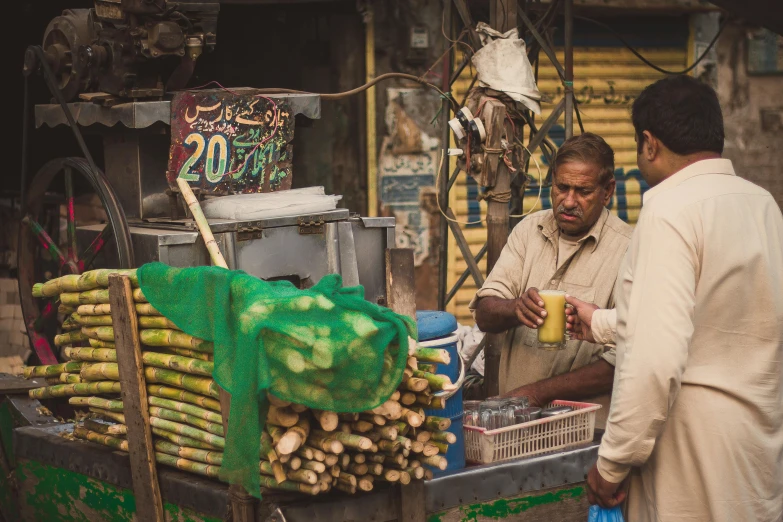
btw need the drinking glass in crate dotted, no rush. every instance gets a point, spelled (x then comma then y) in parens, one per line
(471, 409)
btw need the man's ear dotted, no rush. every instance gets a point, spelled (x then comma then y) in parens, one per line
(609, 191)
(651, 146)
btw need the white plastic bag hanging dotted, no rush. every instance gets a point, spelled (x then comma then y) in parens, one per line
(502, 64)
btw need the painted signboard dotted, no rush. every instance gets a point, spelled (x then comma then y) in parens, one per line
(230, 141)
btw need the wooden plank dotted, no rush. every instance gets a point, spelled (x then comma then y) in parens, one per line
(149, 504)
(243, 505)
(400, 281)
(467, 255)
(401, 295)
(11, 384)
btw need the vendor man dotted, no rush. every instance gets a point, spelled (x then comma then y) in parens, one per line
(576, 247)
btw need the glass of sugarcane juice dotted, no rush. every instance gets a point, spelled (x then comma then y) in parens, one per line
(551, 334)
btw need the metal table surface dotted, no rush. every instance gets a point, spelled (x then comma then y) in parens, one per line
(471, 485)
(140, 115)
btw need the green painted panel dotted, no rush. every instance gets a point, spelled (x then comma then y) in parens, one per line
(508, 507)
(8, 505)
(56, 494)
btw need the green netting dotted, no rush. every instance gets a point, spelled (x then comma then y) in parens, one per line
(325, 347)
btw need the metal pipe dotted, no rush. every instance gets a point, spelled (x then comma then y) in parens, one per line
(568, 83)
(443, 185)
(372, 149)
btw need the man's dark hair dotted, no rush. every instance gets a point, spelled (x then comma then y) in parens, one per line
(588, 148)
(682, 112)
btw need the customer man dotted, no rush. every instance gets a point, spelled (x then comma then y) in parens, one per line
(697, 406)
(578, 248)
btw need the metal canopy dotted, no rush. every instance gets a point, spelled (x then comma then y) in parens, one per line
(766, 13)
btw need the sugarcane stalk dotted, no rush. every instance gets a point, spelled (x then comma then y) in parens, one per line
(378, 420)
(375, 468)
(422, 400)
(305, 476)
(344, 428)
(207, 457)
(444, 436)
(51, 370)
(423, 435)
(433, 355)
(66, 310)
(427, 367)
(438, 403)
(306, 453)
(179, 363)
(324, 441)
(182, 440)
(416, 472)
(277, 466)
(442, 447)
(389, 447)
(146, 309)
(70, 324)
(405, 442)
(188, 431)
(271, 483)
(347, 478)
(359, 458)
(66, 390)
(388, 432)
(156, 321)
(294, 437)
(192, 383)
(349, 440)
(325, 482)
(102, 333)
(80, 432)
(389, 409)
(411, 417)
(405, 478)
(94, 309)
(106, 414)
(362, 426)
(69, 338)
(188, 409)
(275, 433)
(436, 461)
(97, 343)
(202, 223)
(210, 427)
(436, 382)
(412, 363)
(330, 459)
(430, 449)
(167, 392)
(92, 320)
(402, 428)
(91, 354)
(417, 446)
(318, 454)
(408, 398)
(357, 469)
(52, 380)
(96, 402)
(282, 416)
(164, 337)
(433, 423)
(70, 378)
(184, 352)
(317, 467)
(298, 408)
(327, 419)
(294, 463)
(365, 483)
(100, 372)
(188, 465)
(390, 475)
(277, 402)
(415, 384)
(347, 417)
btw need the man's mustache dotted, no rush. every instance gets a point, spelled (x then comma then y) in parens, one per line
(576, 212)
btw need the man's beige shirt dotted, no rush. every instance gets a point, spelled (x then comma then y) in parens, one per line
(529, 259)
(697, 404)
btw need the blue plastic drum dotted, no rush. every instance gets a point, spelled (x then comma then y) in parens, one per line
(437, 330)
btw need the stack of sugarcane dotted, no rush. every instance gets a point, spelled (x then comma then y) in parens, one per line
(303, 450)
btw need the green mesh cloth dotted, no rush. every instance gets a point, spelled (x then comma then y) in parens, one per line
(325, 347)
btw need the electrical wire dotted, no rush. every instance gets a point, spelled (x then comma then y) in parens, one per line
(447, 218)
(648, 62)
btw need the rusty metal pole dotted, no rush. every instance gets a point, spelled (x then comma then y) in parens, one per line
(568, 83)
(503, 17)
(443, 185)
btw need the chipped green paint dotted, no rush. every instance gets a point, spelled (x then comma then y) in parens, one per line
(507, 507)
(56, 494)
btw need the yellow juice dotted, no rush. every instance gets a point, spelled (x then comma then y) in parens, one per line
(552, 332)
